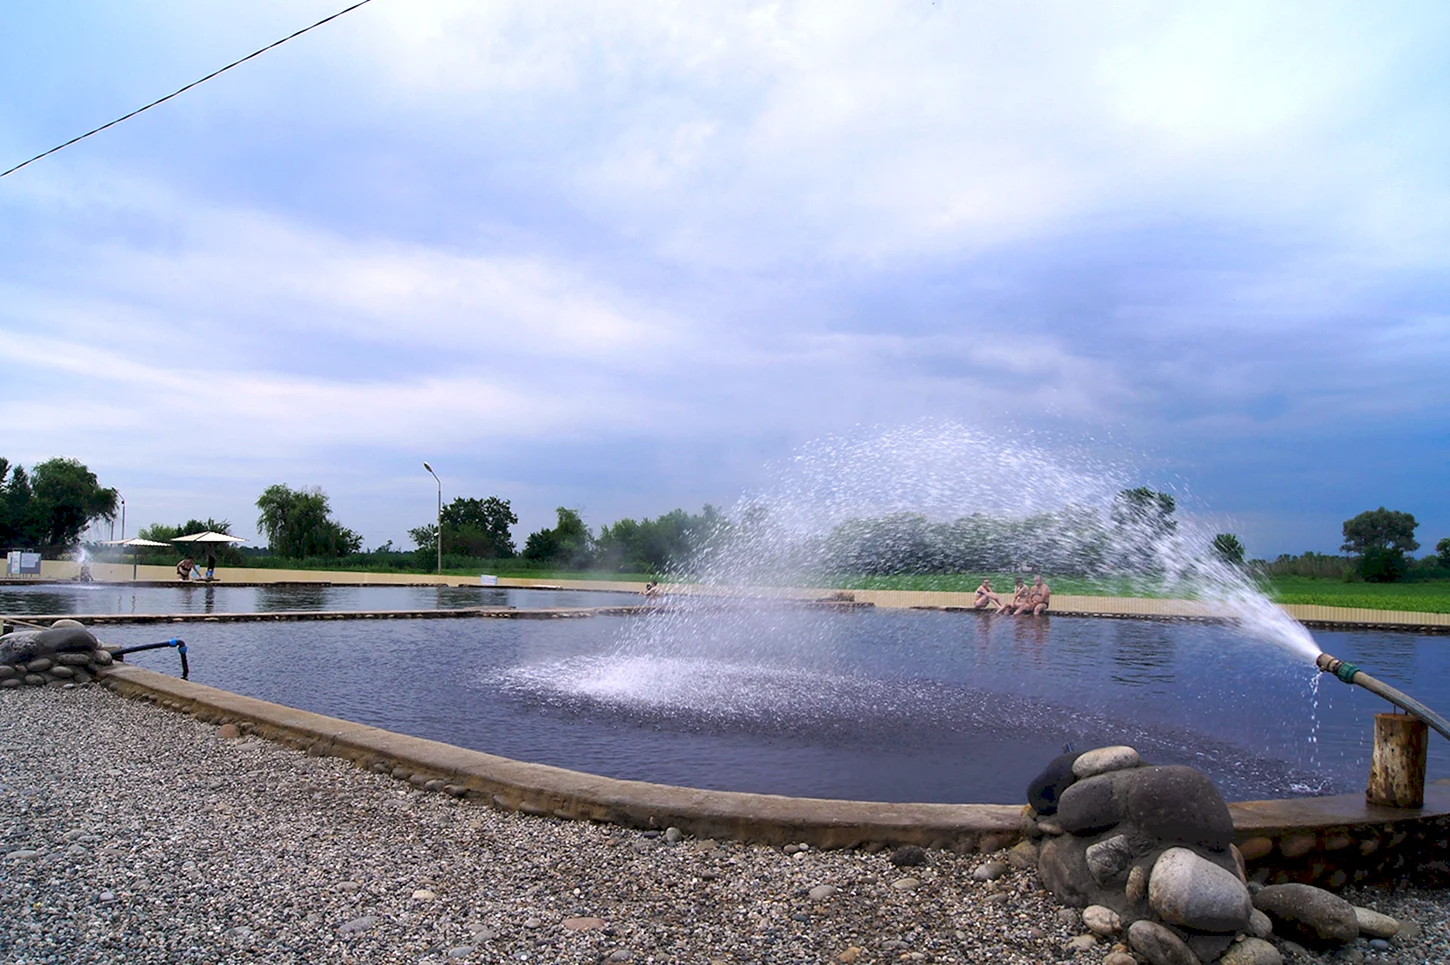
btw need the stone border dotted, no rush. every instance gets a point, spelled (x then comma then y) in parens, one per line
(1328, 840)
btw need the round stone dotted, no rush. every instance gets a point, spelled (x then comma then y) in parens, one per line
(1252, 951)
(1189, 890)
(1176, 805)
(822, 892)
(1101, 920)
(1308, 914)
(1105, 759)
(40, 665)
(1159, 945)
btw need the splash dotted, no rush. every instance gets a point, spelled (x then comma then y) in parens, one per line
(943, 497)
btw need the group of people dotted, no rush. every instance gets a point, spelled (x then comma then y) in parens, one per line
(1025, 599)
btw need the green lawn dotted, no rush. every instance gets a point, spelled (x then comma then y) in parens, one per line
(1430, 596)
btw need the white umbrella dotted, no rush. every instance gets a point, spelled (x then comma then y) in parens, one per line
(208, 537)
(135, 542)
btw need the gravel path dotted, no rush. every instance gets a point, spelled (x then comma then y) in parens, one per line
(132, 834)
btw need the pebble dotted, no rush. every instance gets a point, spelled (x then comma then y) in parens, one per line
(193, 839)
(905, 884)
(822, 892)
(674, 835)
(990, 871)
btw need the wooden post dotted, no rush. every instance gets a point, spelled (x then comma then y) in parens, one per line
(1397, 772)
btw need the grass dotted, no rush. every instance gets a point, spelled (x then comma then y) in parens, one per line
(1428, 596)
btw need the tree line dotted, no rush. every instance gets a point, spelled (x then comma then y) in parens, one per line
(49, 507)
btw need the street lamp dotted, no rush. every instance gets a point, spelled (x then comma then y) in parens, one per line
(440, 515)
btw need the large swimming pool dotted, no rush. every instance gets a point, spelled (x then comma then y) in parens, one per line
(203, 598)
(869, 704)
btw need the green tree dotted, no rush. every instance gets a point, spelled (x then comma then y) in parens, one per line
(1443, 548)
(568, 544)
(15, 506)
(1228, 548)
(1142, 522)
(657, 545)
(65, 497)
(471, 527)
(298, 524)
(1381, 538)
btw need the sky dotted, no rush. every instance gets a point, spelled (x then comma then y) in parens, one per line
(629, 256)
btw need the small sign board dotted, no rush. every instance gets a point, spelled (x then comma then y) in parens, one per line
(22, 564)
(485, 580)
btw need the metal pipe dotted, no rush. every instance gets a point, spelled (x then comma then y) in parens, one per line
(1351, 674)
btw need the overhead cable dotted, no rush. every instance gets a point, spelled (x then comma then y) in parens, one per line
(162, 100)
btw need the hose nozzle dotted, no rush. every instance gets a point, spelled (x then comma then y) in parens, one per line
(1333, 665)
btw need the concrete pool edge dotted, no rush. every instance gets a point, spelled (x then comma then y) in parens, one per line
(1333, 840)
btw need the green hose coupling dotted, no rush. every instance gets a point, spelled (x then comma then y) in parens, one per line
(1346, 671)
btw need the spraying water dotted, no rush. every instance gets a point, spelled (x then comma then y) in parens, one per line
(929, 498)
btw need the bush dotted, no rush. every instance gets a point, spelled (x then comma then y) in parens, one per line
(1383, 565)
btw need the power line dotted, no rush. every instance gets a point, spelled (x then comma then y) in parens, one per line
(162, 100)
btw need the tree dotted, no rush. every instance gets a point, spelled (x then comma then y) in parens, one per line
(298, 524)
(471, 527)
(569, 544)
(52, 505)
(1443, 548)
(1142, 521)
(1381, 538)
(1229, 549)
(656, 545)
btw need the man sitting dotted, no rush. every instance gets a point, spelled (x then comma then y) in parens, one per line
(1037, 597)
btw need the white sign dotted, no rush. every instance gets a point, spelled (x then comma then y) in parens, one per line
(485, 580)
(22, 564)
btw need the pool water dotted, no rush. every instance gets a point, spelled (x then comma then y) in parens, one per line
(885, 705)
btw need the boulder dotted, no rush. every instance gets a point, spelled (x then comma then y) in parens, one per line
(1089, 805)
(1307, 914)
(1177, 805)
(1046, 788)
(1188, 890)
(1109, 858)
(1159, 945)
(1062, 867)
(23, 646)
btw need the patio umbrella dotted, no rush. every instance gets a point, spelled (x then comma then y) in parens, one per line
(208, 537)
(135, 542)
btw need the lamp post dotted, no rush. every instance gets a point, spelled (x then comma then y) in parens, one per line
(123, 515)
(440, 515)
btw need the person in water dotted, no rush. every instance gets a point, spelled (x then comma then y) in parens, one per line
(185, 568)
(985, 596)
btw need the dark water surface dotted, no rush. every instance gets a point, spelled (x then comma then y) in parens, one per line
(871, 704)
(104, 598)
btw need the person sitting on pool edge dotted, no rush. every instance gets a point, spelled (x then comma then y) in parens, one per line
(1019, 598)
(1037, 597)
(986, 596)
(185, 567)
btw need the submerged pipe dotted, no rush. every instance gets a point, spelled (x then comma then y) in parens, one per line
(1351, 674)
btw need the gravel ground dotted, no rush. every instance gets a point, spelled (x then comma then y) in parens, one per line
(133, 834)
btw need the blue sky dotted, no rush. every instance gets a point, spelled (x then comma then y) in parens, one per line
(625, 256)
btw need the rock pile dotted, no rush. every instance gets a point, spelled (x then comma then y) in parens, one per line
(66, 653)
(1148, 853)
